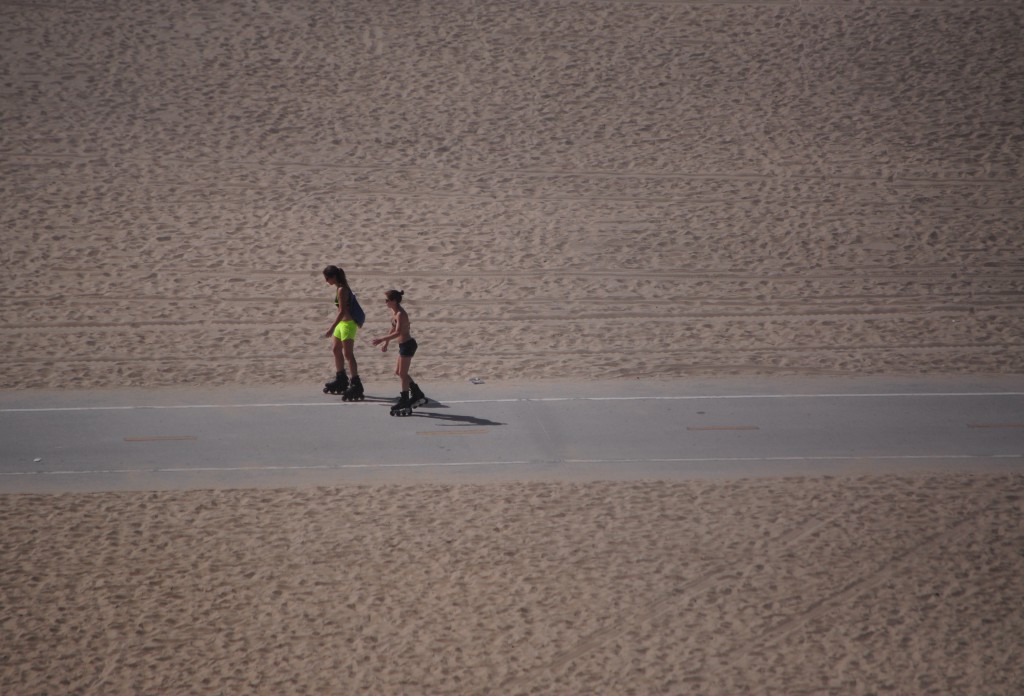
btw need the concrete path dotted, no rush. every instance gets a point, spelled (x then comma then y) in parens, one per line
(203, 438)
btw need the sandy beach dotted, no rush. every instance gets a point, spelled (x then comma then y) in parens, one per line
(607, 189)
(564, 189)
(797, 586)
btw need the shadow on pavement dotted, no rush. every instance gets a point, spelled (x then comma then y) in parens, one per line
(452, 418)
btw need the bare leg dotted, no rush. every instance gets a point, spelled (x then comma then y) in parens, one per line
(339, 355)
(403, 372)
(348, 351)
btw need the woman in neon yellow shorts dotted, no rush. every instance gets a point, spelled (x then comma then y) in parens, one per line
(343, 340)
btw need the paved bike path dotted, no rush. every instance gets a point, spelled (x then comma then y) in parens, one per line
(89, 440)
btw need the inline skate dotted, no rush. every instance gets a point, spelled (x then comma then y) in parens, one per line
(338, 386)
(354, 391)
(416, 397)
(403, 407)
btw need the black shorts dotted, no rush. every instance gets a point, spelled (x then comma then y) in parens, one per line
(407, 349)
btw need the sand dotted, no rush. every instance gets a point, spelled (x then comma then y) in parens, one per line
(573, 190)
(796, 586)
(564, 189)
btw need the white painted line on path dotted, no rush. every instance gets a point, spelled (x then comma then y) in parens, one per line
(702, 397)
(427, 465)
(270, 467)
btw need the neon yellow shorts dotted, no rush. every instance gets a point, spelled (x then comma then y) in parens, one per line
(346, 331)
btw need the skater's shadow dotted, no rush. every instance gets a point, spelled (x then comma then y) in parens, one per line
(453, 418)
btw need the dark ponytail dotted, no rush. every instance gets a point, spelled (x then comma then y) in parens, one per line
(336, 273)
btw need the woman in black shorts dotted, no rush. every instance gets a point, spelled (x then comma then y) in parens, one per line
(406, 349)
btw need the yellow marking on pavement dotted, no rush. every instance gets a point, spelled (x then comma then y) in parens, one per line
(724, 427)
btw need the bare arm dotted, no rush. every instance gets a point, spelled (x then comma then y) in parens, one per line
(401, 330)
